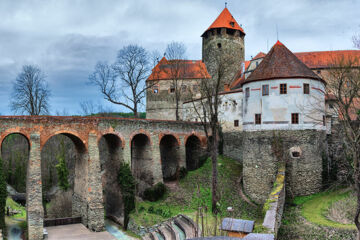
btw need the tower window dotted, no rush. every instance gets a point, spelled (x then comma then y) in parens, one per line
(265, 90)
(247, 92)
(294, 118)
(324, 120)
(183, 88)
(236, 123)
(172, 89)
(232, 24)
(283, 88)
(258, 118)
(306, 88)
(155, 89)
(219, 45)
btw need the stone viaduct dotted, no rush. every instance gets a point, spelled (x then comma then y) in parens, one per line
(154, 149)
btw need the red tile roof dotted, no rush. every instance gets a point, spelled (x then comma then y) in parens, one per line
(190, 69)
(326, 59)
(259, 55)
(225, 20)
(280, 62)
(240, 77)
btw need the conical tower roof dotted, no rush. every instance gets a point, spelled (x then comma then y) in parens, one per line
(280, 63)
(225, 20)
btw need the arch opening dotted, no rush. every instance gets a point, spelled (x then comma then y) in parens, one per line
(193, 153)
(61, 201)
(169, 152)
(111, 158)
(15, 152)
(141, 162)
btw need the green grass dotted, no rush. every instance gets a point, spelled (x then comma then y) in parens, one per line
(16, 206)
(194, 191)
(315, 207)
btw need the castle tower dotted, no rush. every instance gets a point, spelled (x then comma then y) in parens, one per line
(224, 38)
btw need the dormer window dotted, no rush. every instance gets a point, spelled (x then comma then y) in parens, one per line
(232, 24)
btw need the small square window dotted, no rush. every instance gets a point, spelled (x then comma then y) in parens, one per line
(183, 88)
(318, 71)
(306, 88)
(265, 90)
(219, 45)
(283, 88)
(236, 123)
(155, 89)
(294, 118)
(258, 118)
(172, 89)
(247, 92)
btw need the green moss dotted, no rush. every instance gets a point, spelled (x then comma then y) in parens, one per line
(315, 207)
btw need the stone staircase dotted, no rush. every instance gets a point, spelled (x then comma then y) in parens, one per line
(179, 227)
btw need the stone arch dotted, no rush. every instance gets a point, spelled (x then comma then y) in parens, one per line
(14, 131)
(111, 158)
(79, 161)
(170, 156)
(141, 162)
(193, 152)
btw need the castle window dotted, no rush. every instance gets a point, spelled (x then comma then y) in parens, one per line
(306, 88)
(283, 88)
(294, 118)
(219, 45)
(172, 89)
(232, 24)
(236, 123)
(258, 118)
(295, 154)
(324, 120)
(257, 64)
(265, 90)
(247, 92)
(156, 89)
(318, 71)
(183, 88)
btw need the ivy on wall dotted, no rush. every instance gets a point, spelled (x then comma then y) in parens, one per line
(127, 185)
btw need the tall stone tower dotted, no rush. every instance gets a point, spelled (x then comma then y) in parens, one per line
(224, 39)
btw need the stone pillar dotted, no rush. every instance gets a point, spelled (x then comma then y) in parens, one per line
(156, 158)
(34, 207)
(95, 194)
(182, 153)
(127, 152)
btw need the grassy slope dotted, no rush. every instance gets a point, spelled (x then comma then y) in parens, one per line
(195, 190)
(16, 206)
(305, 218)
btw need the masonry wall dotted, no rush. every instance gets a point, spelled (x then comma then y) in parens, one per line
(233, 145)
(304, 173)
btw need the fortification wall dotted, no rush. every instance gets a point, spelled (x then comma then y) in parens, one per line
(303, 169)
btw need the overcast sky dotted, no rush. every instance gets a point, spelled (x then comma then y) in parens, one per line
(66, 38)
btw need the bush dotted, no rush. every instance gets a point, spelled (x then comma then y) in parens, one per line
(127, 185)
(155, 192)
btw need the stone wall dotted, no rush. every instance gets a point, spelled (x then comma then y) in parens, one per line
(233, 145)
(303, 151)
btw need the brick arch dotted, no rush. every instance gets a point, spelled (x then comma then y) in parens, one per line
(141, 131)
(45, 138)
(119, 135)
(176, 136)
(202, 138)
(14, 131)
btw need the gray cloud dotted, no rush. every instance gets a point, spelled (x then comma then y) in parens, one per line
(66, 38)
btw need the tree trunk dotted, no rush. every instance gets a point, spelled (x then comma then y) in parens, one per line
(214, 153)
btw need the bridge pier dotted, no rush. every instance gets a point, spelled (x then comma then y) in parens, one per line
(156, 159)
(182, 153)
(95, 192)
(34, 207)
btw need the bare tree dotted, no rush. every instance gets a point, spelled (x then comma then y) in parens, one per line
(123, 83)
(356, 41)
(207, 110)
(30, 92)
(344, 88)
(88, 108)
(175, 53)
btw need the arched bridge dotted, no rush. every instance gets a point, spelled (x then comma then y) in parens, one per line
(155, 150)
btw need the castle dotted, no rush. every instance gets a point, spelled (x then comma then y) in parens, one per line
(280, 92)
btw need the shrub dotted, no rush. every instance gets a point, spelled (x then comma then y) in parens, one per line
(127, 185)
(62, 170)
(155, 192)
